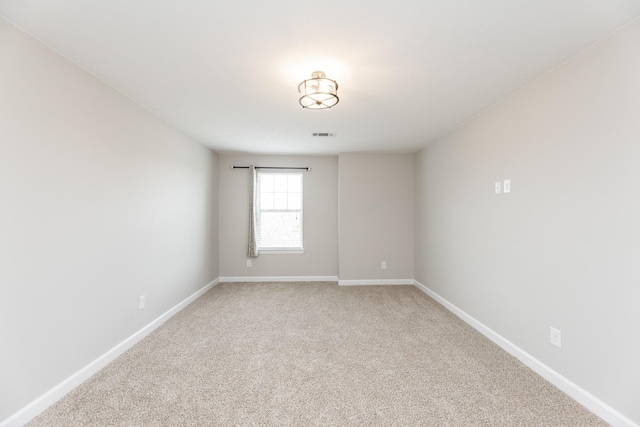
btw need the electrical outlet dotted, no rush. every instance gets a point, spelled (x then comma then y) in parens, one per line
(498, 187)
(383, 265)
(248, 263)
(142, 302)
(555, 337)
(506, 186)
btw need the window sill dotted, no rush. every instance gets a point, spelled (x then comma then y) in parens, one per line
(280, 251)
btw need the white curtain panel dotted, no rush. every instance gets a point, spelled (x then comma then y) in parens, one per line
(252, 250)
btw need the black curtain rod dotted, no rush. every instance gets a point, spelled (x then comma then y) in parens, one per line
(268, 167)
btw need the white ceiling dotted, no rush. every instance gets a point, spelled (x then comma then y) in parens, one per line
(226, 73)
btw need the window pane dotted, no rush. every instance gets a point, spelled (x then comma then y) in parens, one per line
(280, 230)
(280, 201)
(295, 201)
(295, 183)
(266, 183)
(266, 200)
(280, 183)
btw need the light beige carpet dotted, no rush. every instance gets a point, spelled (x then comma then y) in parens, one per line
(299, 354)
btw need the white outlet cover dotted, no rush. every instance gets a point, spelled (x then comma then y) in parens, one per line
(142, 302)
(498, 187)
(555, 337)
(383, 265)
(248, 263)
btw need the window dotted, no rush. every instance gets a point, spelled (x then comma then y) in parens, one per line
(279, 211)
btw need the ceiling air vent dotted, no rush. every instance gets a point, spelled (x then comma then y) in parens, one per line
(323, 134)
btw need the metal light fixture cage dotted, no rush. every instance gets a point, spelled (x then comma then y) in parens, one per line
(318, 92)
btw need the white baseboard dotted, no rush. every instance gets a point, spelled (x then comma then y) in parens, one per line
(579, 394)
(36, 407)
(376, 282)
(236, 279)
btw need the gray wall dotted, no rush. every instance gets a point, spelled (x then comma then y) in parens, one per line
(563, 249)
(320, 221)
(376, 216)
(100, 202)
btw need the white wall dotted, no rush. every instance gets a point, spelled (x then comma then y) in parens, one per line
(376, 216)
(100, 202)
(563, 249)
(320, 220)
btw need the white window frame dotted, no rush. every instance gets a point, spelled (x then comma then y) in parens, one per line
(266, 250)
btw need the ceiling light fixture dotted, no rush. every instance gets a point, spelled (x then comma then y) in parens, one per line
(318, 92)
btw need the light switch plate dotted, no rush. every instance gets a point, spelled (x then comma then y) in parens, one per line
(506, 186)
